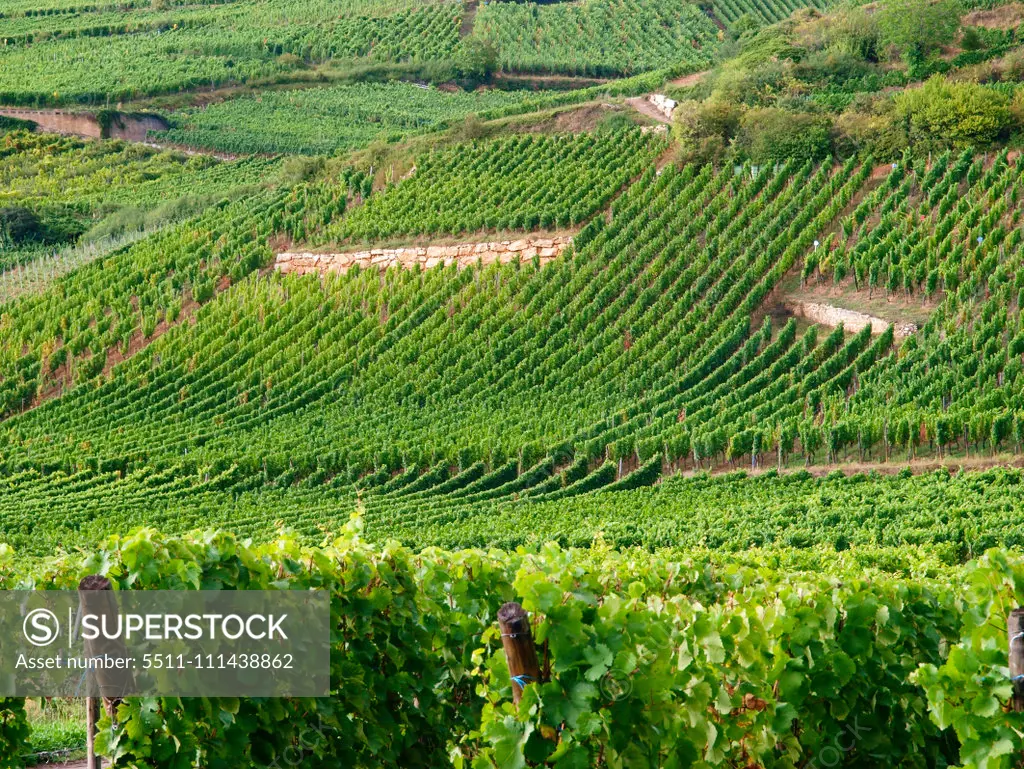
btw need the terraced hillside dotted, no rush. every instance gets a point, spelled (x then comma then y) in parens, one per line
(97, 53)
(597, 37)
(64, 202)
(503, 389)
(689, 332)
(317, 121)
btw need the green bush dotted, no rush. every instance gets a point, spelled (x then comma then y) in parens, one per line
(854, 31)
(476, 59)
(868, 127)
(8, 124)
(21, 225)
(971, 40)
(942, 114)
(916, 28)
(615, 121)
(704, 129)
(773, 135)
(14, 730)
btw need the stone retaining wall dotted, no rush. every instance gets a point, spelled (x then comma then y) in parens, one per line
(464, 255)
(828, 315)
(128, 127)
(663, 104)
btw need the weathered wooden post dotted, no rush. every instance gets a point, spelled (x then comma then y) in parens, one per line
(96, 597)
(92, 715)
(1015, 629)
(520, 653)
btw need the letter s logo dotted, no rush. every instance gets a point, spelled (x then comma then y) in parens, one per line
(41, 627)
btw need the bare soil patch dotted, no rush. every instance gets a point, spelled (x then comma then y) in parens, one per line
(1007, 16)
(717, 21)
(918, 466)
(577, 120)
(897, 309)
(642, 105)
(468, 17)
(686, 81)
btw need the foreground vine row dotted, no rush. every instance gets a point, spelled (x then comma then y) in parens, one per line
(672, 659)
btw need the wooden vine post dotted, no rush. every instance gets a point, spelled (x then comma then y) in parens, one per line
(1015, 629)
(96, 596)
(520, 653)
(92, 715)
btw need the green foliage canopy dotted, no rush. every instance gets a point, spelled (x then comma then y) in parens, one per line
(943, 114)
(916, 28)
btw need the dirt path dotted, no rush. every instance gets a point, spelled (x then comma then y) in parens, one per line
(644, 107)
(918, 466)
(191, 151)
(717, 21)
(552, 81)
(468, 17)
(686, 81)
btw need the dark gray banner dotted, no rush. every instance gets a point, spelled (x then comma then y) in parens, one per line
(206, 643)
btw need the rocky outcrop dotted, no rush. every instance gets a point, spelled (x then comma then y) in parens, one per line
(828, 315)
(463, 255)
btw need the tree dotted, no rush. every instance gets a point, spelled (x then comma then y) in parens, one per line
(706, 128)
(915, 28)
(941, 114)
(775, 135)
(747, 24)
(477, 59)
(20, 224)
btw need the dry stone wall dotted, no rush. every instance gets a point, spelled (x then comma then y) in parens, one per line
(463, 255)
(663, 104)
(828, 315)
(128, 127)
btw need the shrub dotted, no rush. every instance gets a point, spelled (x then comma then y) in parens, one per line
(476, 59)
(21, 225)
(705, 128)
(868, 127)
(971, 40)
(941, 114)
(773, 135)
(15, 124)
(746, 24)
(296, 170)
(470, 128)
(615, 121)
(836, 64)
(289, 60)
(854, 31)
(915, 28)
(117, 223)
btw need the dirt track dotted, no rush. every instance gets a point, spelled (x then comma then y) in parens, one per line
(918, 466)
(644, 107)
(688, 80)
